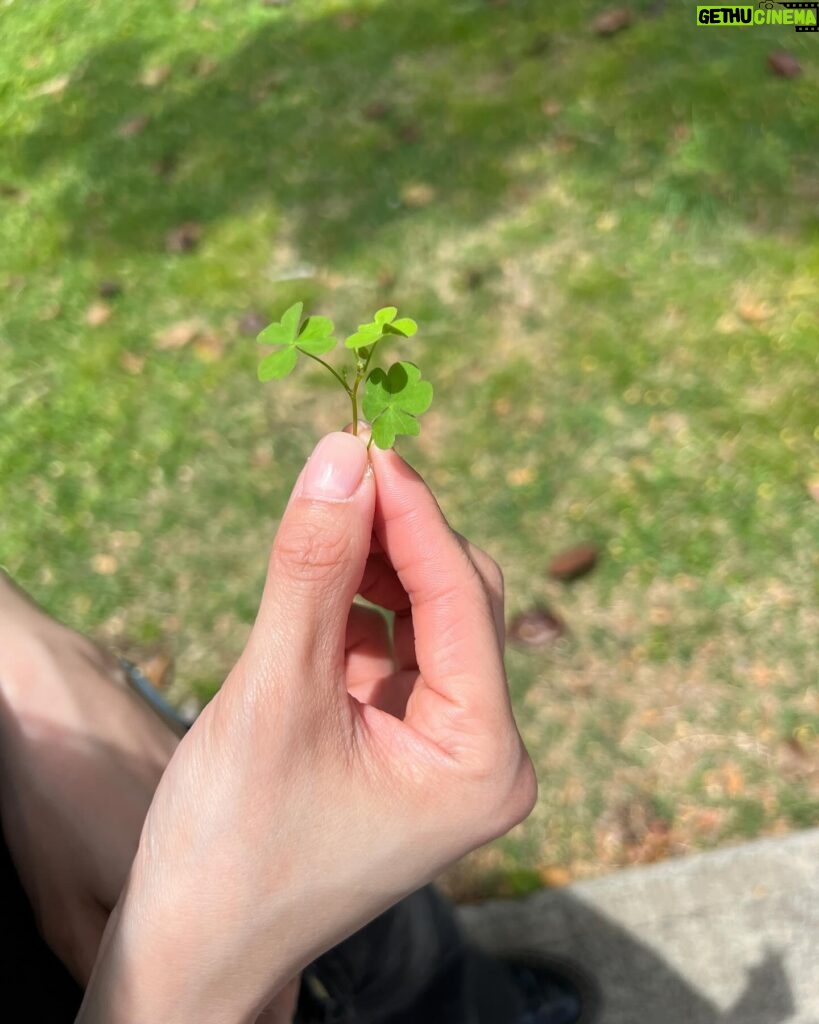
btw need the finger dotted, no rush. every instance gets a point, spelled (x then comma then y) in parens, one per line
(368, 650)
(456, 642)
(317, 561)
(381, 586)
(492, 577)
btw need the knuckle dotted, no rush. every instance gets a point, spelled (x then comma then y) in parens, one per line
(514, 789)
(491, 571)
(496, 580)
(310, 551)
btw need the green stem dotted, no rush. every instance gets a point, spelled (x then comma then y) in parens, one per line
(337, 376)
(370, 355)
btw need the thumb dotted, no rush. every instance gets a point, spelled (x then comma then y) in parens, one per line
(318, 556)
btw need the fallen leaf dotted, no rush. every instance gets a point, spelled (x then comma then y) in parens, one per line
(104, 565)
(418, 194)
(727, 324)
(261, 457)
(551, 108)
(386, 281)
(633, 833)
(613, 20)
(166, 165)
(123, 539)
(133, 126)
(539, 45)
(268, 84)
(474, 278)
(784, 64)
(184, 238)
(208, 348)
(734, 780)
(252, 322)
(574, 562)
(53, 87)
(755, 312)
(8, 191)
(536, 628)
(205, 66)
(109, 289)
(158, 669)
(521, 476)
(132, 363)
(50, 312)
(151, 77)
(554, 876)
(178, 335)
(410, 133)
(377, 110)
(813, 490)
(97, 314)
(795, 759)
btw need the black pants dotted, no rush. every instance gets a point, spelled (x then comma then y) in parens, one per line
(411, 965)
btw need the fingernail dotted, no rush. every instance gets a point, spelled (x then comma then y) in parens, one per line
(335, 469)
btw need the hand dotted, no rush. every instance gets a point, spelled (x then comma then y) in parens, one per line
(311, 795)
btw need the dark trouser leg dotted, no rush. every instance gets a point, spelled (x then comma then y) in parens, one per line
(412, 965)
(32, 976)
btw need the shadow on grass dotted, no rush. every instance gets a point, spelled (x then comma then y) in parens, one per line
(332, 119)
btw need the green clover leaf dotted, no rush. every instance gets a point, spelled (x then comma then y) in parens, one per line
(384, 322)
(393, 400)
(314, 336)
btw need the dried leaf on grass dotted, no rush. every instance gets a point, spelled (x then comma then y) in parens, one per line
(612, 20)
(133, 126)
(574, 562)
(97, 314)
(784, 64)
(54, 87)
(536, 628)
(184, 238)
(179, 334)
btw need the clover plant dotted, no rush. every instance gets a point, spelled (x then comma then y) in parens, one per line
(392, 399)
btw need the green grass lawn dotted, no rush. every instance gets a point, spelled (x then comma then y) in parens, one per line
(612, 246)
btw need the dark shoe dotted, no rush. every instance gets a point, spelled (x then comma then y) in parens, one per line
(552, 992)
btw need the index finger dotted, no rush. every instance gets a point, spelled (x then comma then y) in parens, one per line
(456, 642)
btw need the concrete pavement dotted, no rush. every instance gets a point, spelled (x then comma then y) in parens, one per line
(730, 937)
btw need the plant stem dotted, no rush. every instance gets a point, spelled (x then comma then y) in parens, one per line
(370, 354)
(337, 376)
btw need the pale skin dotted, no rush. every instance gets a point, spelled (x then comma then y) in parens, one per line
(338, 769)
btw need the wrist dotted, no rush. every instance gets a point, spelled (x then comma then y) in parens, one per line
(160, 963)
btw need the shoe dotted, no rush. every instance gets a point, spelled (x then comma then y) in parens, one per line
(552, 992)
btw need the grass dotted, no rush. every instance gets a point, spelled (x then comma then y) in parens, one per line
(629, 229)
